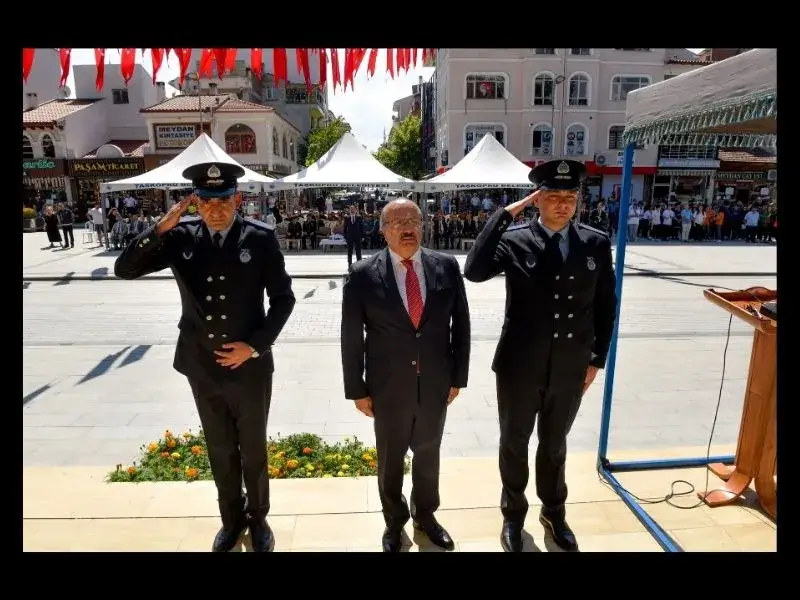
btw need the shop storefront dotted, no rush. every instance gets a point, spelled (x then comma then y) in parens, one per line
(746, 186)
(88, 173)
(685, 174)
(44, 178)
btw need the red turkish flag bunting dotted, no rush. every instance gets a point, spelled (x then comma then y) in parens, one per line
(303, 66)
(184, 60)
(257, 61)
(371, 63)
(100, 64)
(127, 64)
(230, 60)
(280, 65)
(204, 69)
(157, 54)
(335, 68)
(348, 68)
(358, 58)
(64, 55)
(27, 62)
(323, 67)
(390, 61)
(220, 55)
(414, 57)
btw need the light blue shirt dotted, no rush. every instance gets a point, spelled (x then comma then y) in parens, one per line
(563, 243)
(224, 233)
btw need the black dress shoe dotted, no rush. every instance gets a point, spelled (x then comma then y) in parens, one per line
(436, 533)
(261, 536)
(558, 528)
(511, 536)
(392, 539)
(228, 538)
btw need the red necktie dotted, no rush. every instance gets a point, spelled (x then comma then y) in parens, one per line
(413, 293)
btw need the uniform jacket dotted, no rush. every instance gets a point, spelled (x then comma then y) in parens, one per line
(557, 322)
(379, 340)
(222, 290)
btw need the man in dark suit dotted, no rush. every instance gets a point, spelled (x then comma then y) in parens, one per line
(223, 264)
(353, 232)
(560, 313)
(411, 304)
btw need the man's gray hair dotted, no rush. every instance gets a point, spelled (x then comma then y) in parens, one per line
(395, 203)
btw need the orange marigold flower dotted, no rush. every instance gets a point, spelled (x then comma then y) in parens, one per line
(131, 470)
(171, 443)
(292, 464)
(191, 472)
(152, 447)
(373, 464)
(307, 451)
(165, 455)
(197, 450)
(167, 434)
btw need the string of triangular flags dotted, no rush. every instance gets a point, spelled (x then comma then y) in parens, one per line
(223, 60)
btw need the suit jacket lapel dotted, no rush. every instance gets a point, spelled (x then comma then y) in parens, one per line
(431, 267)
(539, 234)
(386, 273)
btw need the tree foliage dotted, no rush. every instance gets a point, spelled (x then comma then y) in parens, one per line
(321, 139)
(402, 152)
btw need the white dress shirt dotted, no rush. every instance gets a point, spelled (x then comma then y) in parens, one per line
(400, 275)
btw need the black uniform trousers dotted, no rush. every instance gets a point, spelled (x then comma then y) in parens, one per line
(518, 405)
(233, 414)
(419, 429)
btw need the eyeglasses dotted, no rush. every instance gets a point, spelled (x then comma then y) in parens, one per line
(401, 223)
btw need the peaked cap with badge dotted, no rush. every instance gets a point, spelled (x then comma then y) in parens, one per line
(214, 179)
(565, 175)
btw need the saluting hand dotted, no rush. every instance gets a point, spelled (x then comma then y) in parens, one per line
(517, 207)
(173, 215)
(234, 354)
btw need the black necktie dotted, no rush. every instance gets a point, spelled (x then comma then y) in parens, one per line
(218, 240)
(553, 250)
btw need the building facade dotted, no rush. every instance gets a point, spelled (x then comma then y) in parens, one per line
(292, 101)
(545, 103)
(254, 135)
(44, 76)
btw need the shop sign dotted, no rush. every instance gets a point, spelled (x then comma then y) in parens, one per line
(688, 163)
(174, 136)
(742, 176)
(42, 163)
(260, 169)
(103, 167)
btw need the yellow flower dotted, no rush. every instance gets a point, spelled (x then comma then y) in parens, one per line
(309, 467)
(175, 455)
(340, 474)
(152, 447)
(327, 475)
(366, 456)
(187, 434)
(280, 454)
(345, 467)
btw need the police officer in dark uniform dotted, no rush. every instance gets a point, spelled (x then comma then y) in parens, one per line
(223, 264)
(560, 310)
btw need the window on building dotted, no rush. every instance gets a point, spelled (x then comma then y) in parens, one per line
(240, 139)
(575, 140)
(580, 51)
(542, 140)
(27, 148)
(285, 147)
(48, 148)
(668, 76)
(579, 90)
(291, 151)
(544, 90)
(119, 96)
(544, 50)
(474, 133)
(486, 86)
(688, 152)
(615, 141)
(275, 149)
(622, 85)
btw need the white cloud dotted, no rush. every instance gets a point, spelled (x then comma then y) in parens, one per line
(367, 107)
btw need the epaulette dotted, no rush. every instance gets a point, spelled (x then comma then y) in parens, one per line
(594, 229)
(260, 224)
(518, 226)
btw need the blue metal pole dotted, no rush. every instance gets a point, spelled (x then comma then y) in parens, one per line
(667, 463)
(619, 269)
(653, 528)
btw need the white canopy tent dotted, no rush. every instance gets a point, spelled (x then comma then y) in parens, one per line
(346, 164)
(487, 165)
(169, 177)
(732, 103)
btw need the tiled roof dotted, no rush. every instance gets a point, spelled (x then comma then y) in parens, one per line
(49, 112)
(131, 148)
(689, 61)
(193, 104)
(756, 155)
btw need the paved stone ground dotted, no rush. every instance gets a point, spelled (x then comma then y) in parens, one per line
(98, 381)
(641, 258)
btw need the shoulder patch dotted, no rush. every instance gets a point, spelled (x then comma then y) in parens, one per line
(518, 226)
(259, 224)
(593, 229)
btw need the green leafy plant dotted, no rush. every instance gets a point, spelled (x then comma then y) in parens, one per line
(304, 455)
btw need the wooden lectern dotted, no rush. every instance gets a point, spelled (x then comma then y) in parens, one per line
(757, 449)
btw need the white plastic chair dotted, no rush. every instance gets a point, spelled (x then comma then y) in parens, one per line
(88, 233)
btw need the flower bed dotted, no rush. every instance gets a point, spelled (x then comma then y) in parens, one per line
(185, 458)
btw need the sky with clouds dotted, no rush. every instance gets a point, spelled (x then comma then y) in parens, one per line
(368, 107)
